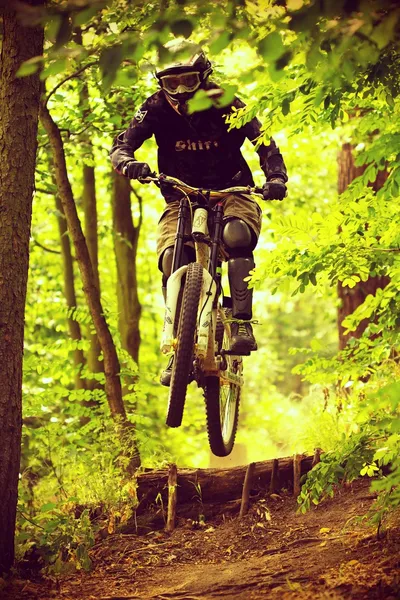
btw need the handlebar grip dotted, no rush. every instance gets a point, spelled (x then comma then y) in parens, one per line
(148, 179)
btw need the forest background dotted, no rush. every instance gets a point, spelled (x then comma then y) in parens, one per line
(323, 77)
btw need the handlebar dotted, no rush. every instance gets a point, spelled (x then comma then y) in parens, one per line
(186, 188)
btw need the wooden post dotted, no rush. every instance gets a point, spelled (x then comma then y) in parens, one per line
(273, 484)
(297, 458)
(317, 457)
(172, 497)
(244, 507)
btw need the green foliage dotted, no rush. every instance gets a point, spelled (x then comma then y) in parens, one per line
(73, 482)
(344, 463)
(371, 449)
(61, 540)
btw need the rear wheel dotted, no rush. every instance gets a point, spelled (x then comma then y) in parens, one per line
(222, 396)
(183, 359)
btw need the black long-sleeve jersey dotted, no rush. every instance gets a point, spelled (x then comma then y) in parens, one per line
(197, 148)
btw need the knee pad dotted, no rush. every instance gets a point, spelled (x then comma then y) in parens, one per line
(166, 262)
(238, 238)
(188, 255)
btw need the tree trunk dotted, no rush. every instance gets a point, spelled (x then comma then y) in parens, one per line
(351, 298)
(95, 365)
(90, 208)
(111, 362)
(126, 237)
(19, 106)
(69, 292)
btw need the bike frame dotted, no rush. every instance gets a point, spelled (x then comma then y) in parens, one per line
(207, 252)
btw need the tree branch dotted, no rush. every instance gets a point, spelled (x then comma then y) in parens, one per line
(43, 191)
(36, 243)
(383, 249)
(75, 74)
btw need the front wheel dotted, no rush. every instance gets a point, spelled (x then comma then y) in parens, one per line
(183, 359)
(222, 395)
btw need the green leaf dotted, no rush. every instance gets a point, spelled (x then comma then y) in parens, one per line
(385, 31)
(285, 107)
(29, 66)
(52, 27)
(305, 18)
(22, 536)
(83, 16)
(389, 100)
(294, 4)
(220, 42)
(229, 92)
(371, 470)
(271, 47)
(47, 507)
(125, 78)
(53, 68)
(182, 27)
(199, 102)
(110, 60)
(313, 278)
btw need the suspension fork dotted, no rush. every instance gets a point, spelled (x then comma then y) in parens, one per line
(209, 362)
(216, 240)
(183, 216)
(214, 264)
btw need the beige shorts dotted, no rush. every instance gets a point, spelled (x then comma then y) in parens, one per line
(235, 206)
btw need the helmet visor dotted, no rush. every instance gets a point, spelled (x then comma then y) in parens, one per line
(181, 82)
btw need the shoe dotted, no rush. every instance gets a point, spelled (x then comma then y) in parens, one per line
(165, 377)
(242, 338)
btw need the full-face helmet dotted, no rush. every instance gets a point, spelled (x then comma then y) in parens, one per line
(181, 79)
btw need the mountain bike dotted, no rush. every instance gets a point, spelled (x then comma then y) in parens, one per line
(198, 316)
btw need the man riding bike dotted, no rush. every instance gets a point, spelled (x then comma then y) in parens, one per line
(200, 150)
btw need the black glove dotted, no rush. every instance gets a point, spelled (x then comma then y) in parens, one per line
(274, 189)
(168, 191)
(134, 169)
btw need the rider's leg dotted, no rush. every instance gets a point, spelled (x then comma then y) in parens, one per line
(188, 255)
(239, 241)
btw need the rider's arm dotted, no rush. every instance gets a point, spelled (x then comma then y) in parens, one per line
(271, 160)
(127, 142)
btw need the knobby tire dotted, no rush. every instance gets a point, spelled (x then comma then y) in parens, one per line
(183, 359)
(222, 398)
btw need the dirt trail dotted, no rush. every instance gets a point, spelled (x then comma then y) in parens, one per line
(274, 552)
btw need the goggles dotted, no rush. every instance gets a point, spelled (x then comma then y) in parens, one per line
(181, 82)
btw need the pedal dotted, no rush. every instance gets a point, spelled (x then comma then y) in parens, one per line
(235, 353)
